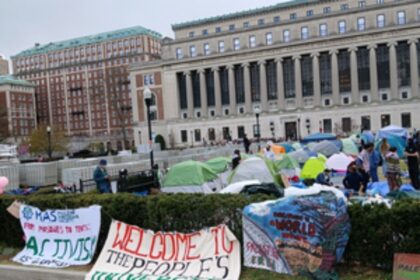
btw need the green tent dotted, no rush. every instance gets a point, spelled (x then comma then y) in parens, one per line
(219, 164)
(286, 162)
(322, 158)
(349, 147)
(312, 168)
(189, 173)
(296, 146)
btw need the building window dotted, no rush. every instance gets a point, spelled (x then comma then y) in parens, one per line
(385, 120)
(344, 71)
(193, 51)
(382, 63)
(221, 46)
(384, 96)
(289, 78)
(304, 33)
(218, 29)
(197, 135)
(261, 21)
(271, 72)
(269, 38)
(342, 28)
(401, 18)
(327, 125)
(346, 100)
(363, 68)
(254, 70)
(286, 36)
(361, 24)
(209, 75)
(184, 136)
(344, 7)
(211, 134)
(246, 24)
(365, 121)
(325, 73)
(252, 41)
(406, 120)
(241, 132)
(182, 89)
(205, 32)
(207, 49)
(236, 44)
(149, 79)
(293, 16)
(195, 79)
(326, 10)
(380, 1)
(224, 85)
(309, 13)
(307, 76)
(380, 21)
(346, 125)
(239, 84)
(403, 64)
(276, 19)
(179, 53)
(362, 4)
(191, 34)
(232, 27)
(323, 30)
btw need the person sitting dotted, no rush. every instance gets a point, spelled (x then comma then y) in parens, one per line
(353, 180)
(323, 178)
(100, 175)
(236, 159)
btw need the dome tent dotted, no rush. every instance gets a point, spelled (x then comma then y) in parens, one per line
(255, 168)
(327, 148)
(219, 164)
(288, 166)
(190, 177)
(302, 155)
(312, 168)
(339, 162)
(350, 147)
(318, 137)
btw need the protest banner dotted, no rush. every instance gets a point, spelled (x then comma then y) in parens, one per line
(299, 234)
(132, 253)
(406, 267)
(59, 238)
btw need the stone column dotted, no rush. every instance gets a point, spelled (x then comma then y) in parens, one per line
(280, 84)
(232, 91)
(393, 70)
(247, 81)
(334, 78)
(413, 68)
(374, 92)
(298, 82)
(190, 98)
(317, 79)
(217, 92)
(354, 76)
(203, 93)
(263, 86)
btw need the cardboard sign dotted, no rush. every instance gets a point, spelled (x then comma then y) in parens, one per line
(59, 238)
(131, 253)
(14, 209)
(406, 267)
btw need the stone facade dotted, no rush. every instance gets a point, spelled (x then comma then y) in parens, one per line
(4, 66)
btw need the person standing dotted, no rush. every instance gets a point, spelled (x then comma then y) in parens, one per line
(383, 149)
(236, 159)
(101, 177)
(393, 169)
(413, 163)
(374, 159)
(247, 143)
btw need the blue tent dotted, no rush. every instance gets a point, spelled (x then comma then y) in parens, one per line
(318, 137)
(392, 130)
(394, 141)
(367, 137)
(288, 147)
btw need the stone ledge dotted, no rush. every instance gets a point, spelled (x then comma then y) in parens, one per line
(12, 272)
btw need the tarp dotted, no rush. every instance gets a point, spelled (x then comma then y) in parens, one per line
(350, 147)
(59, 238)
(380, 188)
(339, 162)
(189, 173)
(239, 186)
(318, 137)
(392, 130)
(327, 148)
(255, 168)
(288, 147)
(302, 155)
(219, 164)
(131, 252)
(394, 141)
(304, 233)
(312, 168)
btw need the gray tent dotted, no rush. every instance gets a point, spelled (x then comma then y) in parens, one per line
(327, 148)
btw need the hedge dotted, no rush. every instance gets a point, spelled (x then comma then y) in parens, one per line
(377, 232)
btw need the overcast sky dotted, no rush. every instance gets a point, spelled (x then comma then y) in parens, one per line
(25, 22)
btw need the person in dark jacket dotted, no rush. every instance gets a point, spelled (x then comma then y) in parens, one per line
(236, 159)
(324, 178)
(353, 180)
(413, 163)
(247, 143)
(100, 175)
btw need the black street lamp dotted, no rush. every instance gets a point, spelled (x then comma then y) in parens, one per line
(257, 113)
(147, 95)
(49, 142)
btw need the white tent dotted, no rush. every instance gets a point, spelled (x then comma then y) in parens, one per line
(239, 186)
(253, 168)
(339, 162)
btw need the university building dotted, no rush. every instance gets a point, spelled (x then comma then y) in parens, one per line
(305, 66)
(82, 84)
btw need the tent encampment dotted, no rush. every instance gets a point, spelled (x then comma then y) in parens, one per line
(219, 164)
(255, 168)
(288, 166)
(339, 162)
(302, 155)
(312, 168)
(350, 147)
(287, 146)
(318, 137)
(191, 177)
(327, 148)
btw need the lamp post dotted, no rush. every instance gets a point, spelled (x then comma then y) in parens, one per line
(147, 95)
(49, 142)
(257, 113)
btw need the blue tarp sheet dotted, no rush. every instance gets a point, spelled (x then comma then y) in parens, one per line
(318, 137)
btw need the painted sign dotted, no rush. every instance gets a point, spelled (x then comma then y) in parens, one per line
(297, 234)
(59, 238)
(406, 267)
(132, 253)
